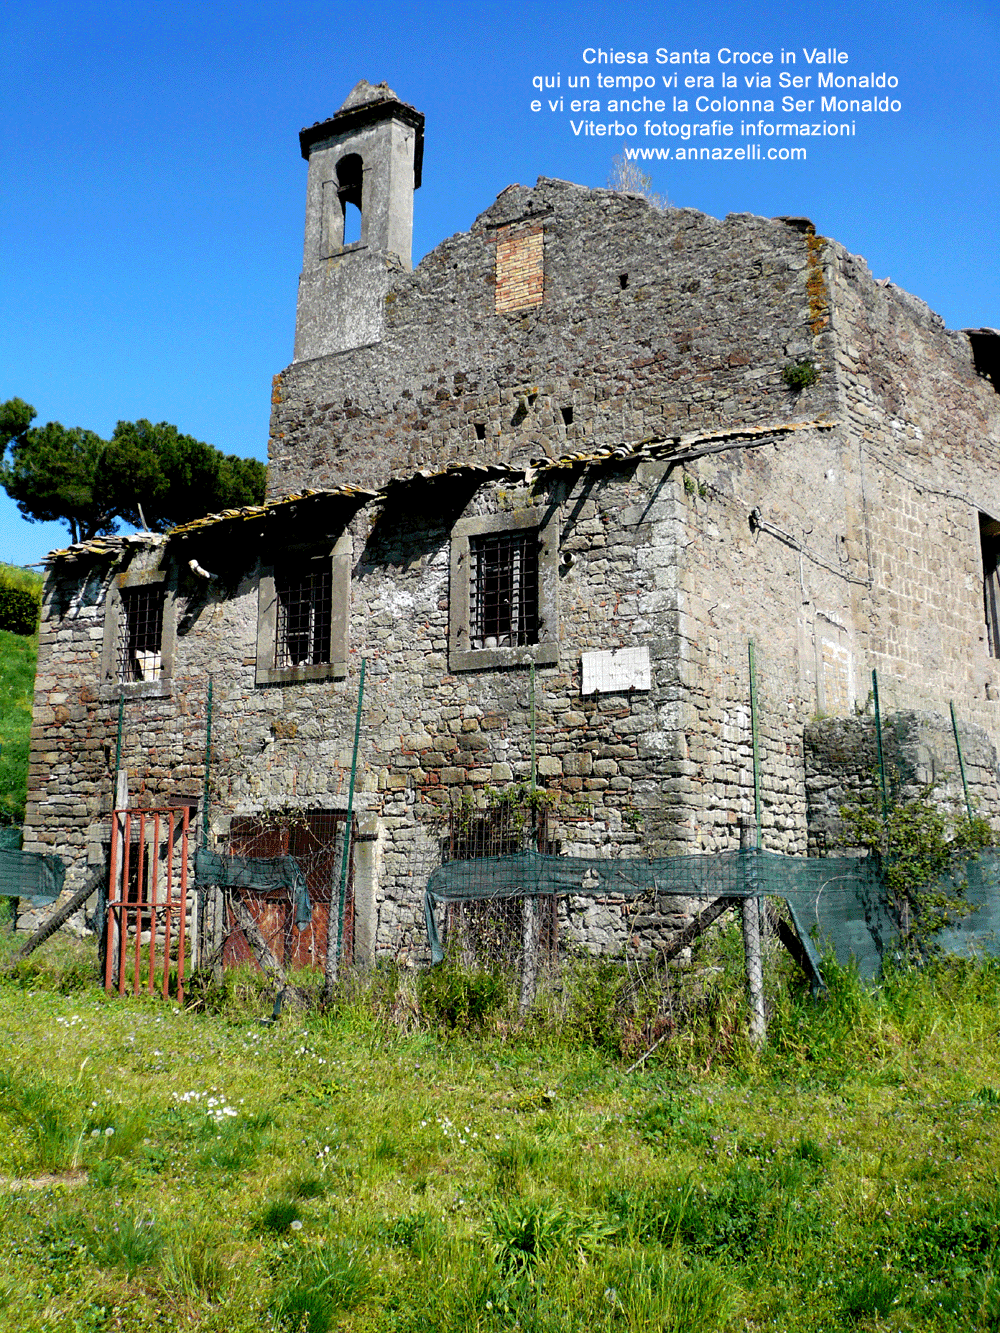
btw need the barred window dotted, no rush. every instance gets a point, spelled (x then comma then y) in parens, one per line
(503, 589)
(305, 613)
(140, 634)
(989, 541)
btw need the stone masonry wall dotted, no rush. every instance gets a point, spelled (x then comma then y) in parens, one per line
(654, 323)
(924, 460)
(920, 755)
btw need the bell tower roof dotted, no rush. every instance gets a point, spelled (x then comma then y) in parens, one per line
(366, 104)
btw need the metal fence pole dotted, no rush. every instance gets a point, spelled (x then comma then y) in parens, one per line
(333, 963)
(752, 953)
(755, 738)
(881, 756)
(961, 761)
(209, 924)
(534, 771)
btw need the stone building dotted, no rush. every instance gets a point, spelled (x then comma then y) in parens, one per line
(548, 485)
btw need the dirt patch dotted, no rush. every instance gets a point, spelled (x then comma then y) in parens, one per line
(68, 1179)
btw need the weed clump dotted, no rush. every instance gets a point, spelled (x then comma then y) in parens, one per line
(800, 375)
(324, 1283)
(457, 998)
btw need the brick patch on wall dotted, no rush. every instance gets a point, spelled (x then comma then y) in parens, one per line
(519, 267)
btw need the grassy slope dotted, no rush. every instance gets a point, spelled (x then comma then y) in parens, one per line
(18, 656)
(377, 1175)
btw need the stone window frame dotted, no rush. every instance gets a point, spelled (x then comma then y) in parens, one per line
(111, 686)
(546, 651)
(341, 557)
(989, 550)
(336, 195)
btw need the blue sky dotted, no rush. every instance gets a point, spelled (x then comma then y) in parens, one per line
(152, 224)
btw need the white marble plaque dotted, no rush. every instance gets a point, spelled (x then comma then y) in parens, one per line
(626, 669)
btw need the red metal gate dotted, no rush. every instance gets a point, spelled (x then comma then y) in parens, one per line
(147, 897)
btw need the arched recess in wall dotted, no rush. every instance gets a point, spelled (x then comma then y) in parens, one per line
(350, 181)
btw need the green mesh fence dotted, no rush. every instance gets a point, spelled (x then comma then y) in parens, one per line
(258, 874)
(835, 902)
(31, 875)
(979, 932)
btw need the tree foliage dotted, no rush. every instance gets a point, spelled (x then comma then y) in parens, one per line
(923, 850)
(144, 473)
(628, 178)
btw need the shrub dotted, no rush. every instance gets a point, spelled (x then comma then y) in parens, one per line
(923, 851)
(19, 608)
(459, 998)
(799, 375)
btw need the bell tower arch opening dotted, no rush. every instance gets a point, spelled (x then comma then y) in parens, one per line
(350, 189)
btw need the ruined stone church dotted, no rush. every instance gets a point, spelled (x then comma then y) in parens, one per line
(548, 486)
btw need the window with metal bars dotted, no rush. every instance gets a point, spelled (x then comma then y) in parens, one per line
(503, 589)
(140, 635)
(989, 540)
(305, 613)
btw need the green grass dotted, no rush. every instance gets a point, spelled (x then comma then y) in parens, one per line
(18, 657)
(379, 1168)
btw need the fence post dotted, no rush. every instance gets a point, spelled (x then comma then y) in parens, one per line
(335, 942)
(116, 889)
(961, 760)
(751, 934)
(529, 953)
(878, 743)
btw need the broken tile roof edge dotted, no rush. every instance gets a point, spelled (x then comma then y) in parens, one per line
(680, 446)
(109, 545)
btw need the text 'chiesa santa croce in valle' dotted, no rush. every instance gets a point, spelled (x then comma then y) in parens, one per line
(549, 485)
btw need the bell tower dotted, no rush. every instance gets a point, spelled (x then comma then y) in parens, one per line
(364, 165)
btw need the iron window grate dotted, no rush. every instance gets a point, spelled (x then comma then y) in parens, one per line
(305, 617)
(503, 589)
(140, 635)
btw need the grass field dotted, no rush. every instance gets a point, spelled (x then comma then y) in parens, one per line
(375, 1169)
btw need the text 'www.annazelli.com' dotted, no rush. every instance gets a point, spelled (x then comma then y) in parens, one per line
(753, 152)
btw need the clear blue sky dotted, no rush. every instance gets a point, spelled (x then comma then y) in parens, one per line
(152, 224)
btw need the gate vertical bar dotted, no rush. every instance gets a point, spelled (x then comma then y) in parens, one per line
(140, 886)
(123, 897)
(153, 878)
(169, 899)
(183, 909)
